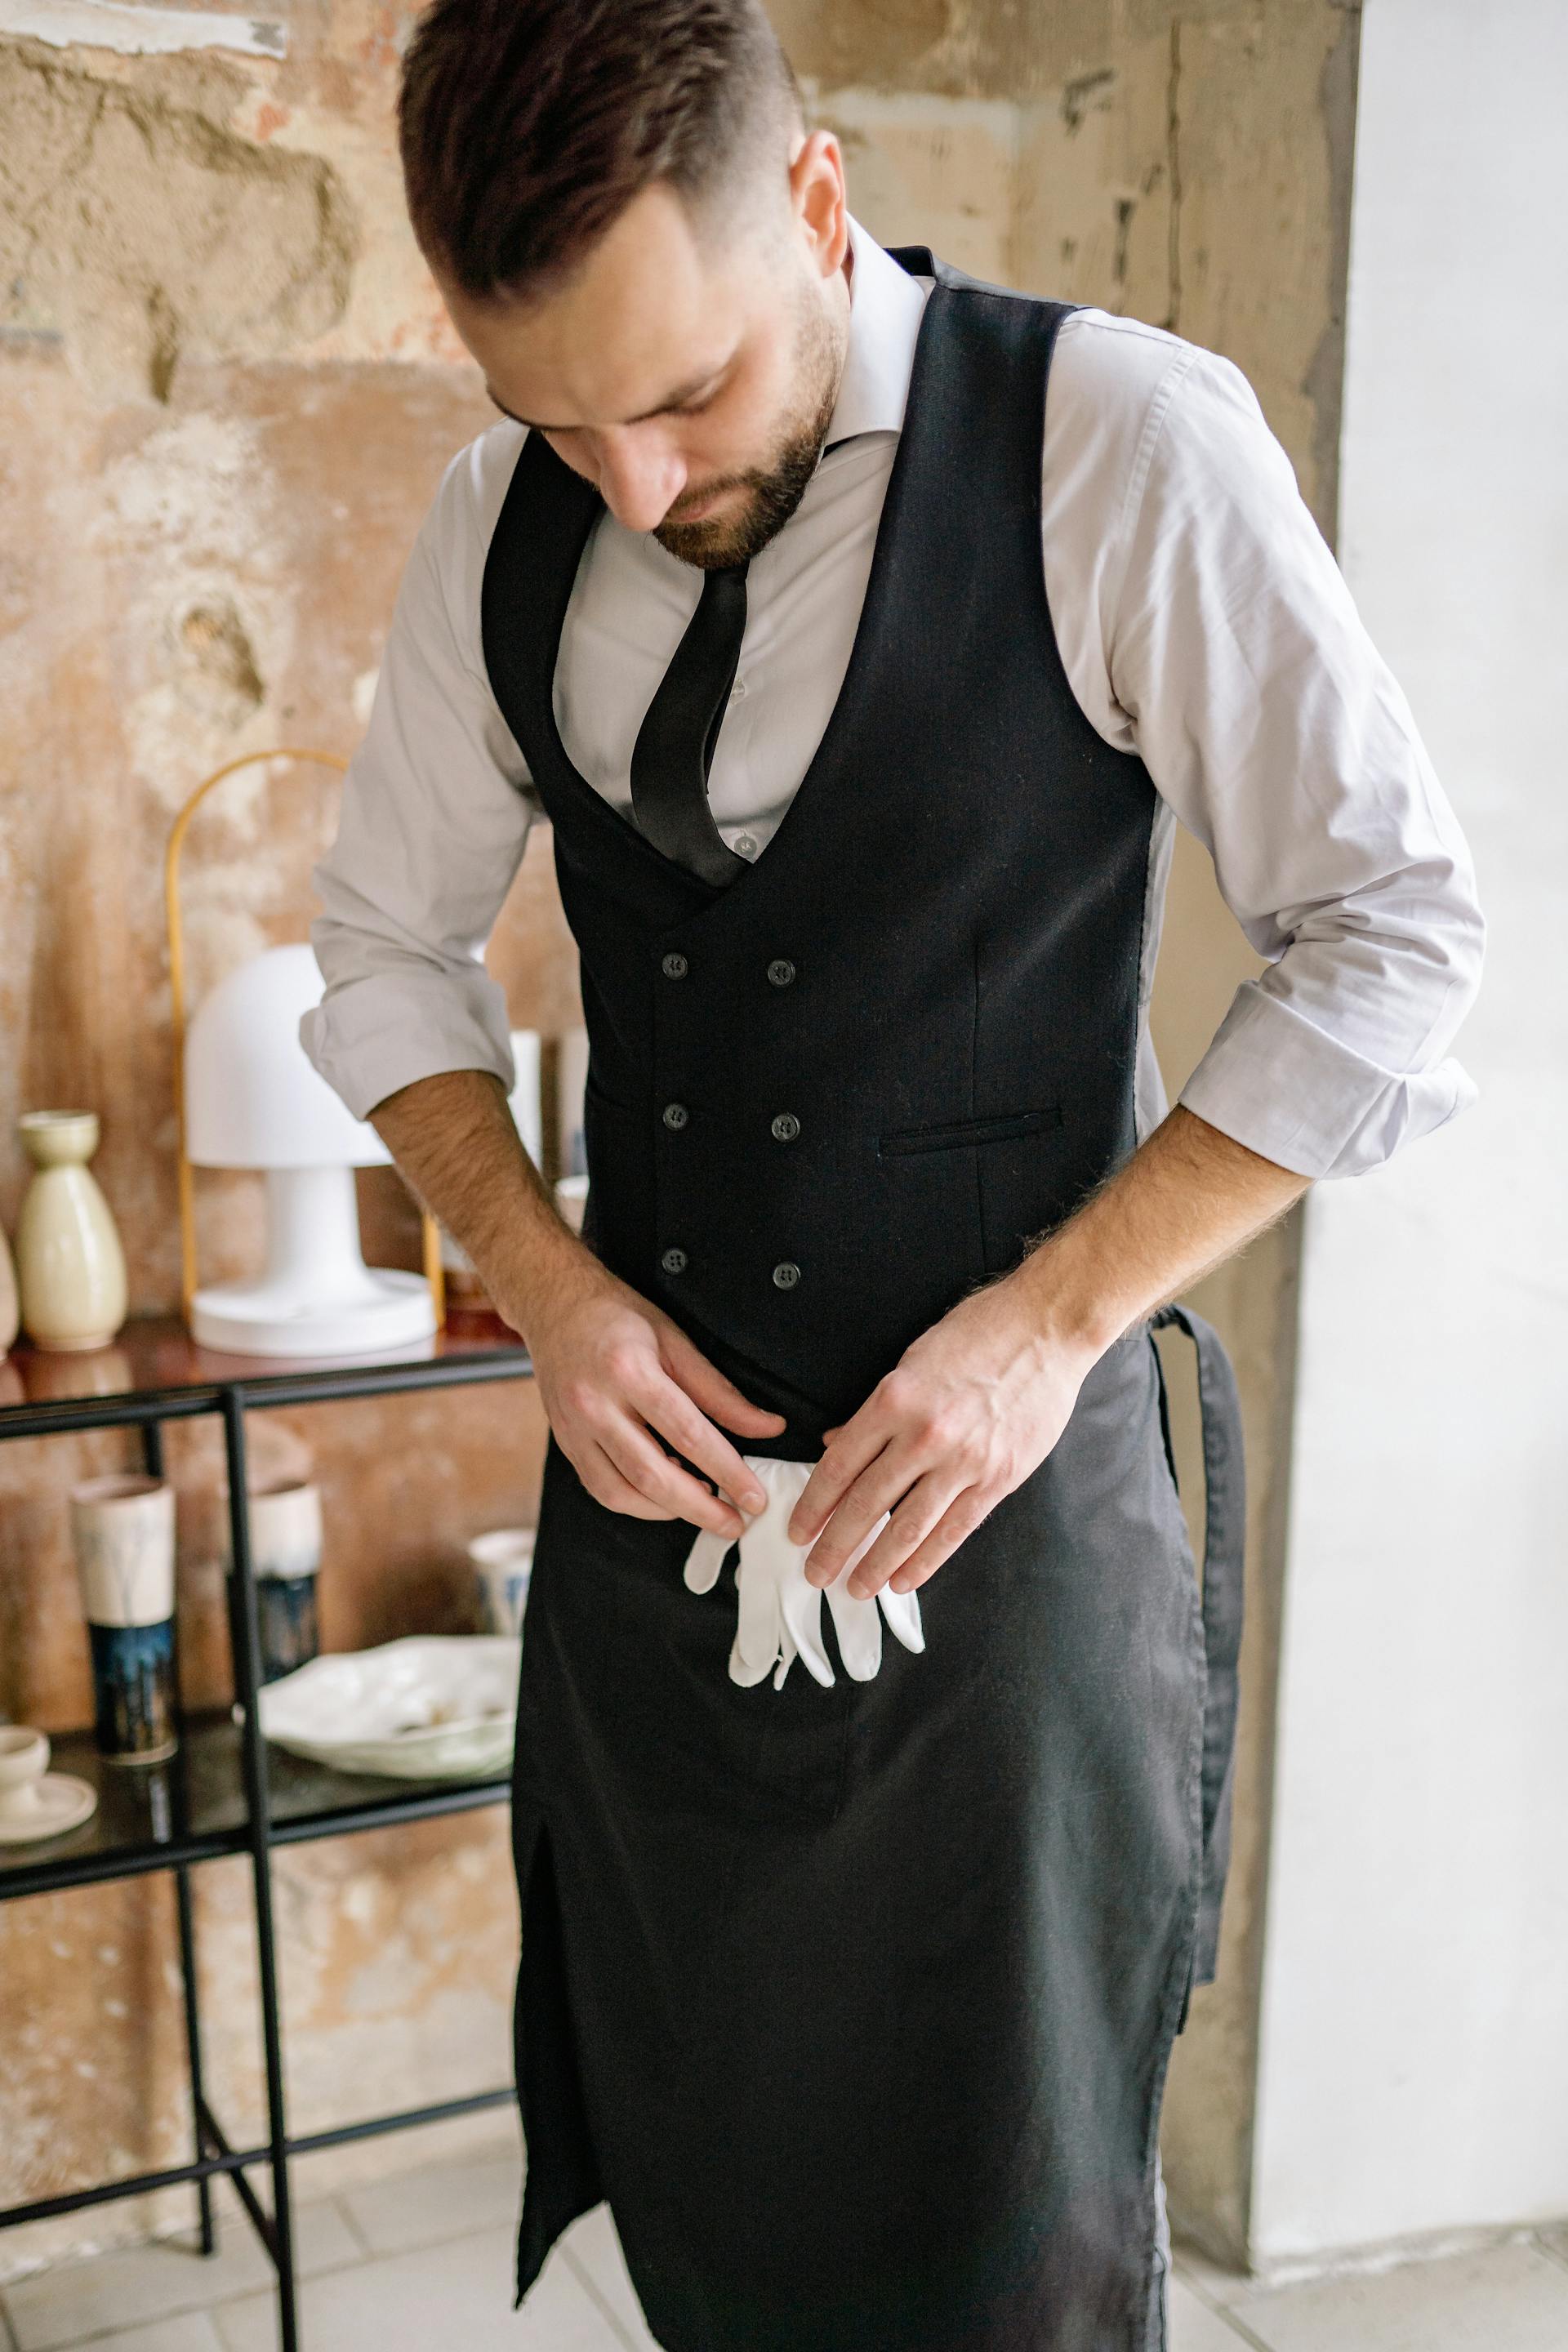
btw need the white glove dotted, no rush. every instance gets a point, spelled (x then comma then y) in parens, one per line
(781, 1611)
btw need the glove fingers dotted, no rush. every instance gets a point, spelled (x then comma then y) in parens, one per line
(753, 1654)
(858, 1627)
(787, 1654)
(758, 1625)
(858, 1622)
(803, 1622)
(779, 1615)
(902, 1612)
(704, 1560)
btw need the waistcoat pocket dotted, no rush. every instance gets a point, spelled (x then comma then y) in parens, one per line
(956, 1133)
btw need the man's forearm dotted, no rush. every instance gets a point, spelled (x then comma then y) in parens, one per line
(454, 1142)
(1188, 1199)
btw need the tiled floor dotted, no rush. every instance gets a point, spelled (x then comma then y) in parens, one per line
(422, 2260)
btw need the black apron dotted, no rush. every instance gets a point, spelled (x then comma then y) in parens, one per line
(857, 2004)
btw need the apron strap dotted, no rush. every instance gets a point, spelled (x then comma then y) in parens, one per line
(1224, 1550)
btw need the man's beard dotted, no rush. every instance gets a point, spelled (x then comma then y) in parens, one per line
(774, 490)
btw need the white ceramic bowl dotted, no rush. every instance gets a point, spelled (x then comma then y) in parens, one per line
(431, 1707)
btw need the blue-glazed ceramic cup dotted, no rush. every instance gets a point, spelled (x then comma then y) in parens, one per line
(286, 1621)
(133, 1691)
(284, 1556)
(123, 1532)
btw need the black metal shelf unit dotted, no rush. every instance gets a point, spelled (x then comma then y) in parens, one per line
(223, 1793)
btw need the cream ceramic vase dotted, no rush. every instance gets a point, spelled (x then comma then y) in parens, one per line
(9, 1316)
(71, 1268)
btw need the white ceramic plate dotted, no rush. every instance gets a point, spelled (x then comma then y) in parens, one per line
(431, 1707)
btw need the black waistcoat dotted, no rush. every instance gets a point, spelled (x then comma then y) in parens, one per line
(939, 1927)
(826, 1100)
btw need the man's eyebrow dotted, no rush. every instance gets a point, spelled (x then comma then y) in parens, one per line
(676, 399)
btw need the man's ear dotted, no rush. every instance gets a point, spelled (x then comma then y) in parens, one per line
(819, 199)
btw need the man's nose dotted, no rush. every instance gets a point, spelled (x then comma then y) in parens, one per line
(639, 478)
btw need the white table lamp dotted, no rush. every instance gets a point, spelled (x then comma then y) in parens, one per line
(252, 1099)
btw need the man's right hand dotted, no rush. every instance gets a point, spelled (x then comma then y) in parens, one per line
(616, 1374)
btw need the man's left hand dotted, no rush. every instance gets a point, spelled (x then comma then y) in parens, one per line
(969, 1411)
(981, 1398)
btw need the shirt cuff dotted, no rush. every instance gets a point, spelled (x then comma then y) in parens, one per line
(1279, 1084)
(371, 1036)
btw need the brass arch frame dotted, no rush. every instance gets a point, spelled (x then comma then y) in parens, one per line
(188, 1283)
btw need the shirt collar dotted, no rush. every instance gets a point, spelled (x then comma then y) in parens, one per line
(886, 305)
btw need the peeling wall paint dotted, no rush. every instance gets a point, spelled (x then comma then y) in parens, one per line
(165, 237)
(141, 32)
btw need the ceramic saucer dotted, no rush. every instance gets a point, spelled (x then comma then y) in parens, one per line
(57, 1803)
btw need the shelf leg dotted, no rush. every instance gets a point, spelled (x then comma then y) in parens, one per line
(153, 1463)
(253, 1757)
(193, 2045)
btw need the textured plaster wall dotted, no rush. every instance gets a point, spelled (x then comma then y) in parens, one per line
(227, 390)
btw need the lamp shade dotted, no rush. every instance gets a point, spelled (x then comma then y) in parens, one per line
(253, 1099)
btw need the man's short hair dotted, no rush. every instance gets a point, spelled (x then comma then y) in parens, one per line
(527, 126)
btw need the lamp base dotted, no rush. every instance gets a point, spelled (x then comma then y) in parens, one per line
(389, 1309)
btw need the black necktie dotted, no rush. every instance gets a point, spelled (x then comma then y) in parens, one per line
(675, 743)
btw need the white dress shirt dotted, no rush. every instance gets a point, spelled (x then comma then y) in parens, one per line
(1202, 624)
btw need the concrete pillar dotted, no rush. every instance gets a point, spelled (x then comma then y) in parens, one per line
(1414, 2033)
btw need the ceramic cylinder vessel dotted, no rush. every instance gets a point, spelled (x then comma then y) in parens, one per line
(71, 1267)
(502, 1562)
(284, 1555)
(123, 1534)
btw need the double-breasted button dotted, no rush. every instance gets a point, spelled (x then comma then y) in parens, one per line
(676, 1116)
(675, 966)
(787, 1127)
(780, 971)
(674, 1261)
(786, 1275)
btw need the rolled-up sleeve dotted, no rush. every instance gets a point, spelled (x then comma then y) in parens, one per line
(1268, 720)
(434, 817)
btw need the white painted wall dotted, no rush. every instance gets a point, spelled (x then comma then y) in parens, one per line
(1414, 2070)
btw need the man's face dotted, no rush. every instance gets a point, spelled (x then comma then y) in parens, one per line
(688, 376)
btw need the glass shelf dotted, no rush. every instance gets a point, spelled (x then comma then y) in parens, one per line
(192, 1808)
(196, 1805)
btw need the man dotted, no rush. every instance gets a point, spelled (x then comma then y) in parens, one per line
(862, 703)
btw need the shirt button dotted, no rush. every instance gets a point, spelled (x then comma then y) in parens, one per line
(738, 691)
(787, 1127)
(674, 1261)
(676, 1116)
(746, 844)
(780, 971)
(675, 966)
(786, 1276)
